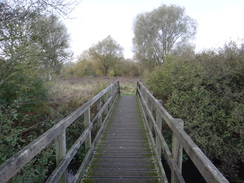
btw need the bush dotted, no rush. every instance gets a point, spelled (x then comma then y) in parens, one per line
(207, 93)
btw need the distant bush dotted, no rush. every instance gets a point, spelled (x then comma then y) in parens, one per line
(84, 68)
(206, 91)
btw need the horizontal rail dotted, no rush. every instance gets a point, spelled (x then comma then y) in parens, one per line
(11, 166)
(207, 169)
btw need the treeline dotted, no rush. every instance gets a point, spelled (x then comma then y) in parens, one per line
(103, 59)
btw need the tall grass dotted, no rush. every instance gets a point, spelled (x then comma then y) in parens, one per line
(65, 95)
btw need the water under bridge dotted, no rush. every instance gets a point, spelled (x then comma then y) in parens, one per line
(123, 141)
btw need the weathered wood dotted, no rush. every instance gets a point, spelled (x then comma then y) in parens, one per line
(159, 123)
(60, 150)
(99, 106)
(11, 166)
(177, 150)
(105, 99)
(87, 121)
(203, 164)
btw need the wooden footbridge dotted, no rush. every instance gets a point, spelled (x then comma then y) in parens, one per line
(123, 141)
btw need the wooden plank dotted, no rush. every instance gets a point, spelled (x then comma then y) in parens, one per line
(87, 121)
(177, 150)
(99, 119)
(60, 150)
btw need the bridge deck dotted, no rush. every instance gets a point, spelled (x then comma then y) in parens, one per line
(123, 154)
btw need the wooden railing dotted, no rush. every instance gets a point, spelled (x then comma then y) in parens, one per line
(154, 114)
(104, 102)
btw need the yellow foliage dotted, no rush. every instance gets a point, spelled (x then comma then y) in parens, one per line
(111, 73)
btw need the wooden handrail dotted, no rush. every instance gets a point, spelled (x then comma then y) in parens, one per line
(11, 166)
(207, 169)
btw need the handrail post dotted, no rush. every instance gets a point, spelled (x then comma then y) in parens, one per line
(60, 146)
(118, 87)
(105, 100)
(177, 150)
(99, 106)
(87, 121)
(137, 88)
(150, 107)
(159, 123)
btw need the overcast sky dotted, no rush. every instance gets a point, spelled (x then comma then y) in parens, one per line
(219, 21)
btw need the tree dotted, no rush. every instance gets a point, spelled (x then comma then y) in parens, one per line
(106, 53)
(32, 39)
(157, 32)
(51, 41)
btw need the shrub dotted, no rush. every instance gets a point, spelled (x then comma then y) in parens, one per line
(207, 93)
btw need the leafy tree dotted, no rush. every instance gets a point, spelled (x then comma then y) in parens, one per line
(83, 68)
(157, 32)
(51, 42)
(33, 44)
(30, 41)
(106, 53)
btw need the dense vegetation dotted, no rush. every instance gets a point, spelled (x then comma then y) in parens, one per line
(206, 91)
(33, 47)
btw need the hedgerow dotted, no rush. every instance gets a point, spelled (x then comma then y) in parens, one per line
(206, 91)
